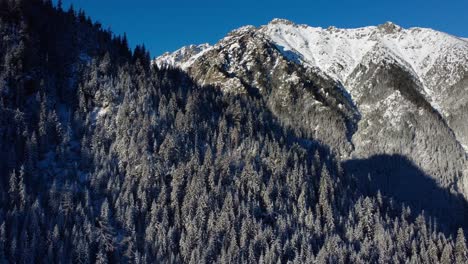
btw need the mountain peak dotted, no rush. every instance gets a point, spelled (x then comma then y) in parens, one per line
(242, 30)
(282, 21)
(182, 57)
(389, 27)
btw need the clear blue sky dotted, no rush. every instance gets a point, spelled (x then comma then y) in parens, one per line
(166, 25)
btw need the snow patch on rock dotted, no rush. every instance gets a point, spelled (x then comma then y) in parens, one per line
(98, 113)
(465, 147)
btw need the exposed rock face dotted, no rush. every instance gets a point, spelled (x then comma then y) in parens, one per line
(363, 92)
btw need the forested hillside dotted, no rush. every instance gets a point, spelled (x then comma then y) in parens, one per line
(106, 158)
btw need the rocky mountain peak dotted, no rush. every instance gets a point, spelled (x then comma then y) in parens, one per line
(389, 27)
(242, 30)
(182, 57)
(281, 21)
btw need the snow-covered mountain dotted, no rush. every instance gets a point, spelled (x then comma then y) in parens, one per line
(363, 91)
(337, 52)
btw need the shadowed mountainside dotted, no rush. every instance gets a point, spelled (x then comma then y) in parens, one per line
(395, 176)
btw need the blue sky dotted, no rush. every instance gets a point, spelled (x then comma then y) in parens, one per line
(168, 25)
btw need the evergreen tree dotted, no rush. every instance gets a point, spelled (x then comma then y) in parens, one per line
(461, 252)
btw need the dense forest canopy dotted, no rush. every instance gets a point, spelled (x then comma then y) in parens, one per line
(106, 158)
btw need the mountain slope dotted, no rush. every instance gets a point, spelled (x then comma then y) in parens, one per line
(380, 89)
